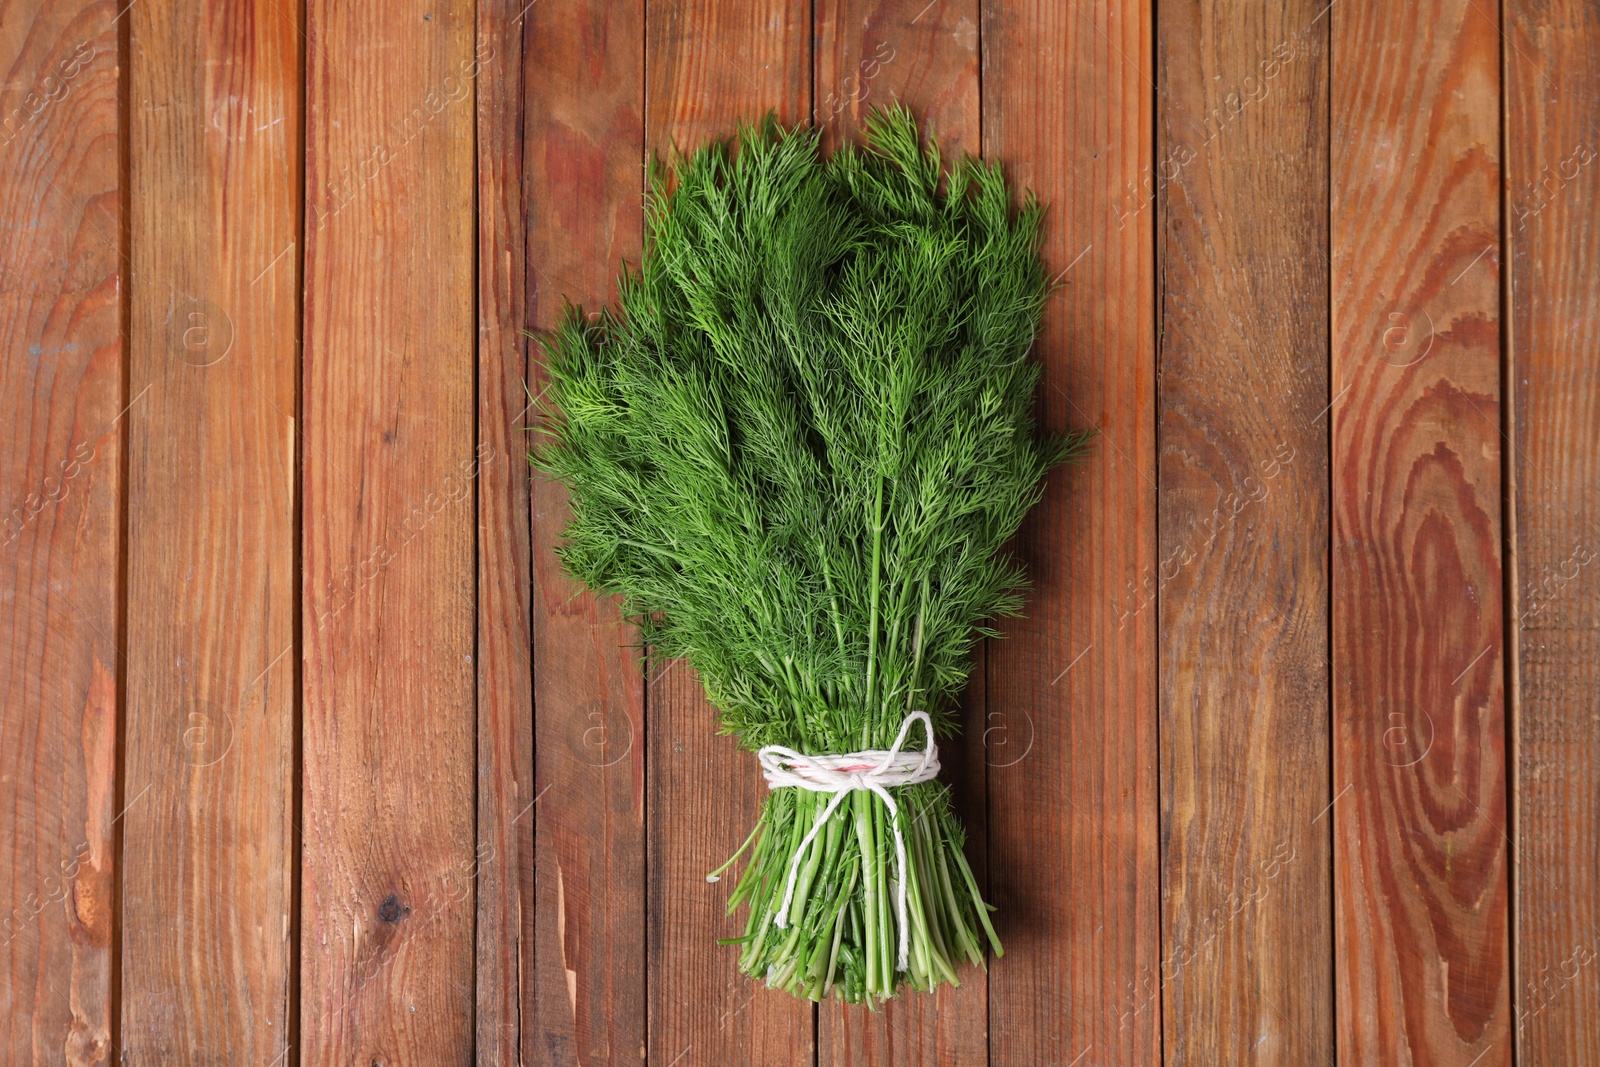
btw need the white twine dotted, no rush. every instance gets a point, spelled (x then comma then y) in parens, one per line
(875, 771)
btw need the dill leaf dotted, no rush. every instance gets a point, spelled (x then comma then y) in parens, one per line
(819, 358)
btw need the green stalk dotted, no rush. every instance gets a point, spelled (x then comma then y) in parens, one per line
(888, 943)
(924, 903)
(838, 927)
(977, 901)
(873, 585)
(808, 870)
(920, 958)
(818, 951)
(954, 909)
(799, 702)
(869, 865)
(716, 875)
(912, 689)
(775, 883)
(833, 597)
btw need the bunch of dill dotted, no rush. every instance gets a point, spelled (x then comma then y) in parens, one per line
(797, 454)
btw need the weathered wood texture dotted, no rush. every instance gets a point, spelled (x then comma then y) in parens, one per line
(387, 962)
(414, 812)
(584, 160)
(1067, 107)
(1552, 109)
(710, 66)
(504, 864)
(61, 381)
(1421, 855)
(870, 54)
(213, 194)
(1242, 582)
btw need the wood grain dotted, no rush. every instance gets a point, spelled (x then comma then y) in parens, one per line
(709, 67)
(61, 380)
(870, 54)
(506, 818)
(387, 966)
(1067, 101)
(213, 199)
(1241, 586)
(1420, 845)
(584, 166)
(1552, 107)
(501, 859)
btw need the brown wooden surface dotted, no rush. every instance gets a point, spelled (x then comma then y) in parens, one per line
(387, 970)
(1068, 101)
(1552, 106)
(1419, 737)
(438, 808)
(871, 53)
(926, 56)
(709, 66)
(506, 788)
(584, 163)
(61, 394)
(1242, 585)
(213, 193)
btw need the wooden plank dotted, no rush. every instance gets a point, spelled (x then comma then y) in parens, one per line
(61, 381)
(387, 970)
(214, 147)
(710, 66)
(506, 819)
(870, 53)
(583, 159)
(1242, 583)
(1067, 105)
(1552, 106)
(1420, 845)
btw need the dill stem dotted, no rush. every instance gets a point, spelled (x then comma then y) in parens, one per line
(872, 625)
(717, 874)
(833, 597)
(953, 906)
(922, 896)
(838, 928)
(912, 687)
(977, 903)
(799, 702)
(887, 942)
(869, 886)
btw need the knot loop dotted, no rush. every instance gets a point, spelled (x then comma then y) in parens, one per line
(872, 771)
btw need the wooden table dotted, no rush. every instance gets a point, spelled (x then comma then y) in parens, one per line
(309, 752)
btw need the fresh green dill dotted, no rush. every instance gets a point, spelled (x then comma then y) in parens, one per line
(797, 453)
